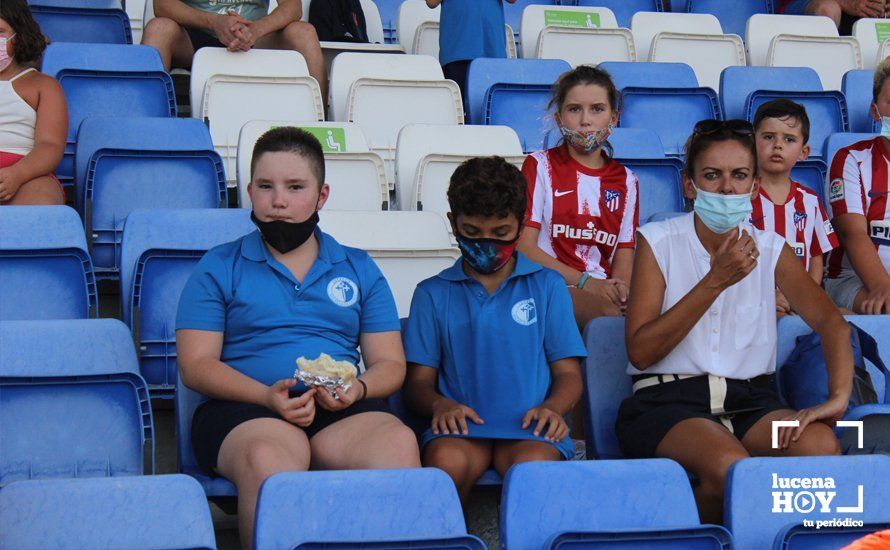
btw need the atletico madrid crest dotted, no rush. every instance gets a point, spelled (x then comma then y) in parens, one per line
(800, 220)
(611, 198)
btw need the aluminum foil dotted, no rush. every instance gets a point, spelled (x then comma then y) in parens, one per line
(330, 383)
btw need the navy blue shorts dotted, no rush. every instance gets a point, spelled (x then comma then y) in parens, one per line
(647, 416)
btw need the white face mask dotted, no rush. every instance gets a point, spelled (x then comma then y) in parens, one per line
(5, 58)
(885, 123)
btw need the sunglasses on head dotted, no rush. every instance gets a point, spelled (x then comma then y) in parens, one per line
(736, 126)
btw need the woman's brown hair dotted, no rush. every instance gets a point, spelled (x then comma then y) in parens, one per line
(29, 42)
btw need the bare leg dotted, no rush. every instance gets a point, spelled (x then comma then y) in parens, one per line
(40, 191)
(252, 452)
(828, 8)
(465, 460)
(817, 439)
(171, 41)
(509, 452)
(371, 440)
(300, 36)
(707, 449)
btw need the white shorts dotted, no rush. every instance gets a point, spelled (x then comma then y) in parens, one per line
(844, 289)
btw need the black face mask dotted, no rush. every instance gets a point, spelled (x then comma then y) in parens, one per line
(285, 236)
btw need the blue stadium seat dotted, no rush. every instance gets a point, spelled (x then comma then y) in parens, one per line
(661, 185)
(733, 16)
(185, 403)
(608, 503)
(624, 9)
(636, 143)
(811, 174)
(159, 251)
(167, 511)
(751, 497)
(797, 537)
(91, 21)
(857, 88)
(826, 110)
(484, 72)
(128, 163)
(737, 83)
(606, 384)
(878, 326)
(643, 73)
(398, 507)
(389, 16)
(72, 403)
(45, 269)
(503, 102)
(839, 140)
(670, 112)
(107, 80)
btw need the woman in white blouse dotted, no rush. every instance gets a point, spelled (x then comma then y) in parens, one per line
(701, 330)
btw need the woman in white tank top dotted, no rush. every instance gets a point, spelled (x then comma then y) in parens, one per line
(701, 329)
(33, 113)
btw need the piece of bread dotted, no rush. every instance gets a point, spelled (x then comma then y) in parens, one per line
(325, 365)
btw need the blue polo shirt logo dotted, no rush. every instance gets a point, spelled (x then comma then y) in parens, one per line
(524, 312)
(342, 291)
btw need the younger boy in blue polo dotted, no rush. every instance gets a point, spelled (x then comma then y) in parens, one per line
(492, 346)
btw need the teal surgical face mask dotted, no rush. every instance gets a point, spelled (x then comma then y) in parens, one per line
(722, 213)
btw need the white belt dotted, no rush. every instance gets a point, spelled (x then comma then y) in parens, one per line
(657, 379)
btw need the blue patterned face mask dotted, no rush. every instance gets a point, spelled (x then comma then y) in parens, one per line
(486, 255)
(586, 142)
(722, 213)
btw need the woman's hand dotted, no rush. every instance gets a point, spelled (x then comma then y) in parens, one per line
(450, 417)
(733, 261)
(613, 290)
(9, 184)
(829, 412)
(296, 410)
(326, 400)
(557, 429)
(782, 304)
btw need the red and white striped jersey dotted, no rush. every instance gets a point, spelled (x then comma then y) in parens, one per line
(858, 185)
(584, 215)
(800, 220)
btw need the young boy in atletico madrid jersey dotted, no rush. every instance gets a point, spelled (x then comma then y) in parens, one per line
(781, 130)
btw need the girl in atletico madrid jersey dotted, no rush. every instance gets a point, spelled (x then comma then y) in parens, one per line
(582, 205)
(781, 131)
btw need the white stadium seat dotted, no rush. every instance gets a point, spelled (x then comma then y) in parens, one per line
(382, 93)
(831, 57)
(762, 28)
(418, 28)
(136, 13)
(869, 33)
(423, 247)
(229, 89)
(356, 175)
(646, 25)
(576, 34)
(708, 55)
(428, 154)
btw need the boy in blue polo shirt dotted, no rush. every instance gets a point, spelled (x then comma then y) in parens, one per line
(255, 305)
(492, 345)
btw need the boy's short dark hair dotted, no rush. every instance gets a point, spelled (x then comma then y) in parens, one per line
(784, 108)
(290, 139)
(487, 186)
(29, 42)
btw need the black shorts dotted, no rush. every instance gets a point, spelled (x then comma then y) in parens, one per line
(214, 419)
(647, 416)
(202, 39)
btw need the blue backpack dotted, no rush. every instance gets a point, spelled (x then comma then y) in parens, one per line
(804, 378)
